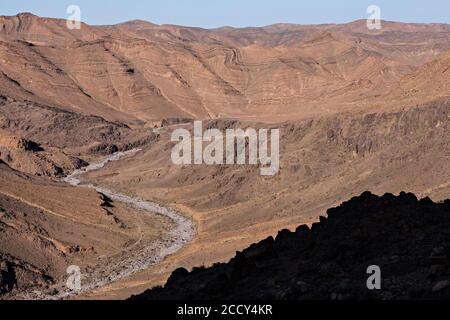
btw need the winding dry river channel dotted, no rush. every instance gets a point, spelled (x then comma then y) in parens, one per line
(182, 232)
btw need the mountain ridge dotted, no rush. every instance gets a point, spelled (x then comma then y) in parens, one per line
(406, 238)
(138, 73)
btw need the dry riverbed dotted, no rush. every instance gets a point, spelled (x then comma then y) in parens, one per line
(136, 257)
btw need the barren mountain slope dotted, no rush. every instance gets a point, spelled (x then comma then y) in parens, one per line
(46, 226)
(429, 82)
(31, 28)
(74, 133)
(140, 71)
(29, 157)
(350, 105)
(323, 162)
(285, 34)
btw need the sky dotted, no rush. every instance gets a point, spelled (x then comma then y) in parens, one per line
(236, 13)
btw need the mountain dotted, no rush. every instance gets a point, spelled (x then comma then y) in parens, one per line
(46, 31)
(429, 82)
(46, 226)
(137, 72)
(406, 238)
(73, 132)
(323, 161)
(357, 110)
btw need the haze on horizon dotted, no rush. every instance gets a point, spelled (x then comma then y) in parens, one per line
(208, 14)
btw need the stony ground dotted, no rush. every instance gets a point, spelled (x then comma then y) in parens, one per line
(409, 239)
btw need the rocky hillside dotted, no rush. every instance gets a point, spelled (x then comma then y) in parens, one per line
(49, 141)
(357, 110)
(73, 132)
(409, 239)
(138, 71)
(46, 226)
(323, 162)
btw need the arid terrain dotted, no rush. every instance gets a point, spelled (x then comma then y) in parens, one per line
(357, 110)
(405, 237)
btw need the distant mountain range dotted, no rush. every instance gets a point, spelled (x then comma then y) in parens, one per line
(138, 71)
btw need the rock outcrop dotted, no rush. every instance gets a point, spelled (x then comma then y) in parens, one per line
(407, 238)
(19, 143)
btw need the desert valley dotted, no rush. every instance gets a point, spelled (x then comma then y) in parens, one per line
(357, 110)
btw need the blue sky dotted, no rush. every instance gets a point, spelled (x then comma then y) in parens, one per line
(238, 13)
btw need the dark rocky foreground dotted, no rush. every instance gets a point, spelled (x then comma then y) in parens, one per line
(409, 239)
